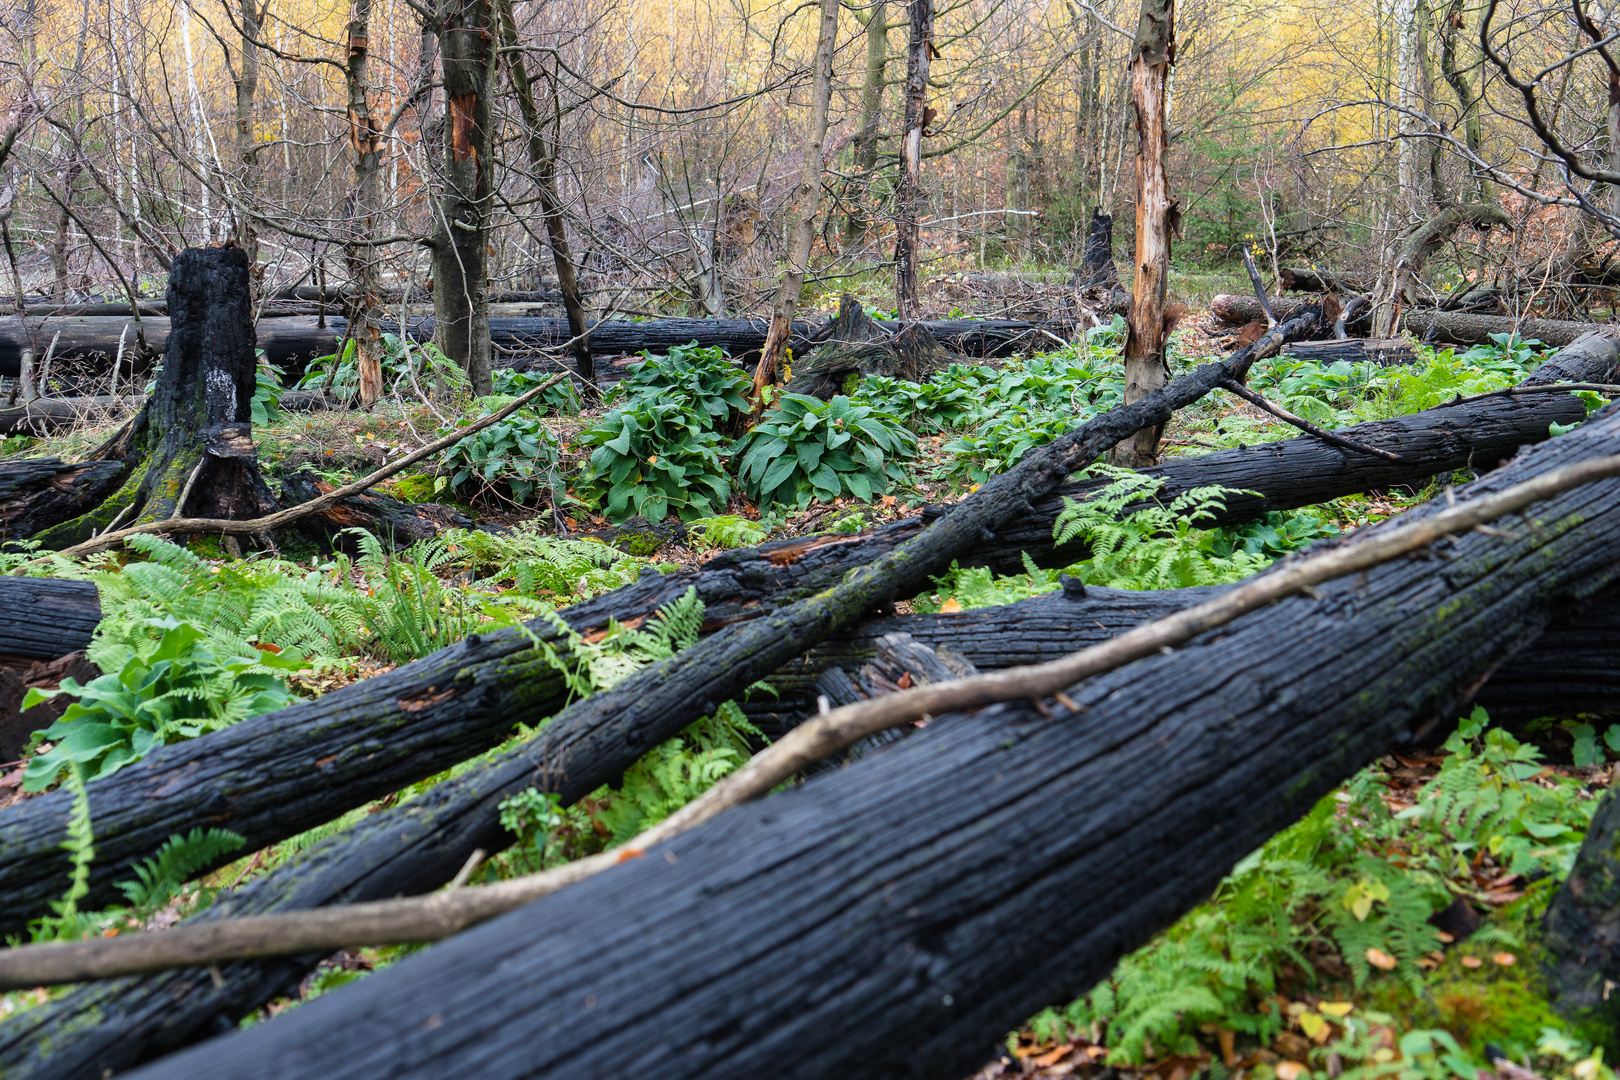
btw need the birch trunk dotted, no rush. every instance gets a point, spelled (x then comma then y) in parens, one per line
(365, 142)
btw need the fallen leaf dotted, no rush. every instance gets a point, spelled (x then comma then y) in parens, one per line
(905, 680)
(1313, 1025)
(949, 606)
(1381, 960)
(1337, 1009)
(1472, 962)
(1506, 959)
(1291, 1070)
(1227, 1037)
(1052, 1057)
(629, 853)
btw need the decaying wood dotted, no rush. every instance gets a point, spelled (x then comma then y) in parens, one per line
(44, 415)
(856, 344)
(446, 707)
(46, 617)
(436, 916)
(390, 520)
(886, 891)
(1443, 327)
(1581, 929)
(17, 725)
(1385, 352)
(1299, 279)
(1157, 219)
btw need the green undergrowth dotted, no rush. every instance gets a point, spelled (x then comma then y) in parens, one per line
(1316, 955)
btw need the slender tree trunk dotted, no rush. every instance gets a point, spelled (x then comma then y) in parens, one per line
(807, 204)
(1156, 219)
(461, 213)
(543, 152)
(365, 142)
(247, 161)
(874, 20)
(908, 203)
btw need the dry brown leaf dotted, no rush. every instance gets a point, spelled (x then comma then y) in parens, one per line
(950, 606)
(1505, 959)
(1381, 960)
(1291, 1070)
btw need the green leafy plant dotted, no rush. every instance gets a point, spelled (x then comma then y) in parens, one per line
(705, 380)
(179, 690)
(805, 449)
(401, 361)
(560, 399)
(514, 457)
(159, 878)
(267, 393)
(650, 455)
(1136, 543)
(729, 531)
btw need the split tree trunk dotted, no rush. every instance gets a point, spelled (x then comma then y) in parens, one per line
(190, 447)
(909, 195)
(1156, 219)
(806, 204)
(454, 704)
(925, 900)
(462, 207)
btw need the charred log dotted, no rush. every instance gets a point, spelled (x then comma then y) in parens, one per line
(1385, 352)
(1581, 929)
(45, 618)
(1443, 327)
(394, 522)
(887, 890)
(456, 703)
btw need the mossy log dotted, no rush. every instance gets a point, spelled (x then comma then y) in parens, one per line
(904, 913)
(273, 776)
(1581, 928)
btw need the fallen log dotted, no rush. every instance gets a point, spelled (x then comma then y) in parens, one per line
(45, 415)
(291, 342)
(1299, 279)
(409, 849)
(1443, 327)
(44, 618)
(1385, 352)
(449, 706)
(922, 902)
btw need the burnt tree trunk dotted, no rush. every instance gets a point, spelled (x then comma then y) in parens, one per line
(1156, 219)
(925, 900)
(1581, 929)
(45, 618)
(381, 734)
(1440, 327)
(191, 443)
(855, 344)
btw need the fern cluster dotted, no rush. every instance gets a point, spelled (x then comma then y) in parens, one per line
(1349, 882)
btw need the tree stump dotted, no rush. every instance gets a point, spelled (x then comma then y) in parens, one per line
(1581, 930)
(190, 448)
(854, 344)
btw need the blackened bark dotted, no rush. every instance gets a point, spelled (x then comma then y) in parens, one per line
(379, 735)
(1581, 929)
(922, 902)
(856, 344)
(46, 617)
(909, 193)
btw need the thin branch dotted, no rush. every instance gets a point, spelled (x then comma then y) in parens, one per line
(1261, 401)
(438, 915)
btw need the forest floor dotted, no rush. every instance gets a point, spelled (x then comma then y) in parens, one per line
(1391, 933)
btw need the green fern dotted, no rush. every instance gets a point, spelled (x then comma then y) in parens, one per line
(68, 923)
(158, 879)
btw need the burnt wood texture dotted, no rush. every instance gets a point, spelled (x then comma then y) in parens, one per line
(273, 776)
(896, 917)
(44, 618)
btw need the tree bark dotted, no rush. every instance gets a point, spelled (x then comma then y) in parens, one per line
(247, 157)
(881, 900)
(1420, 243)
(1581, 929)
(452, 705)
(462, 208)
(366, 144)
(909, 194)
(543, 153)
(1156, 219)
(1440, 327)
(873, 18)
(45, 618)
(806, 205)
(192, 436)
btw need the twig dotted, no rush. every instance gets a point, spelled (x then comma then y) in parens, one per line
(1259, 288)
(282, 518)
(440, 914)
(1540, 388)
(185, 492)
(1261, 401)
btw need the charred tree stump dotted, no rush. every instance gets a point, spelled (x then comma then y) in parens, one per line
(1581, 929)
(922, 902)
(458, 702)
(190, 447)
(855, 344)
(1097, 279)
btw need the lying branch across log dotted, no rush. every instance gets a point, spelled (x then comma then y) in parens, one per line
(458, 702)
(436, 916)
(928, 898)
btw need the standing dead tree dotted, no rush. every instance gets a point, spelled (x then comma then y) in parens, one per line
(1157, 218)
(909, 197)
